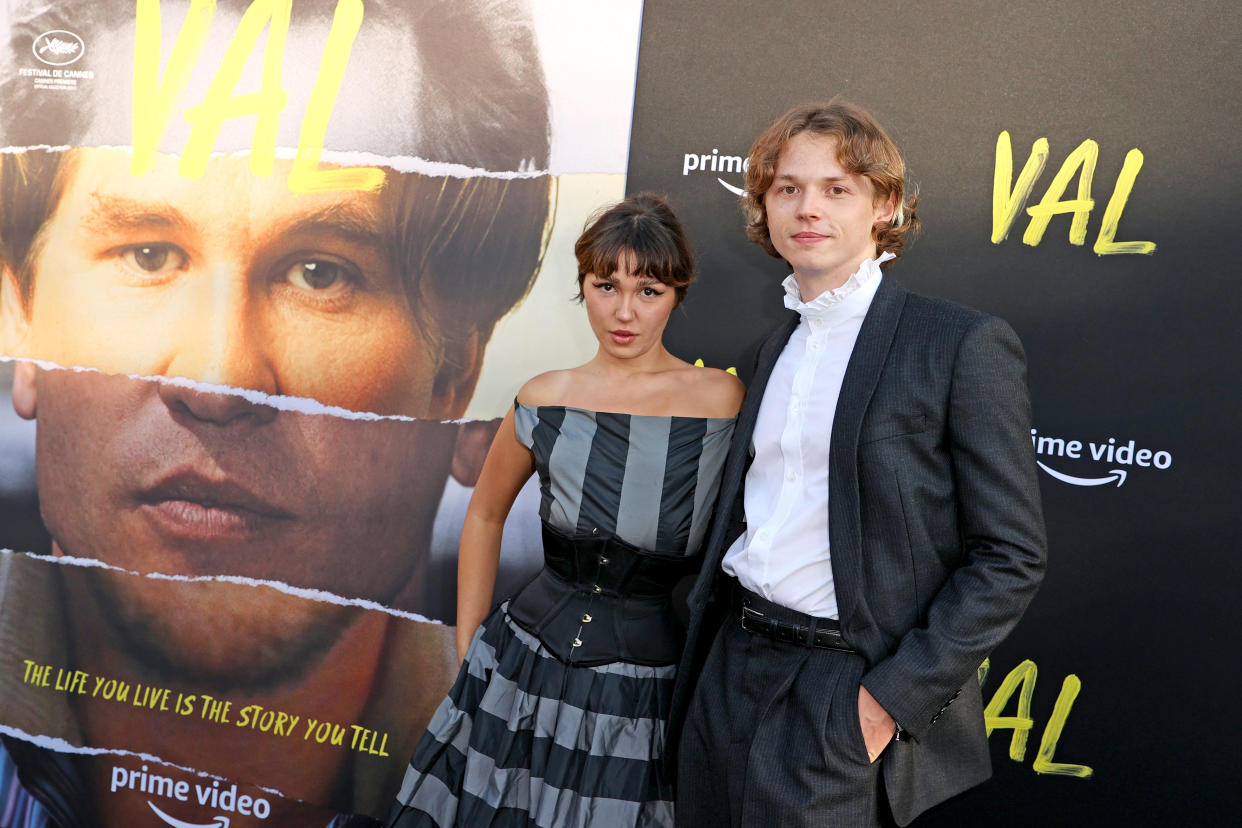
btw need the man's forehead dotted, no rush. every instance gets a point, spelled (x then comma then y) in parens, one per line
(99, 176)
(382, 61)
(813, 156)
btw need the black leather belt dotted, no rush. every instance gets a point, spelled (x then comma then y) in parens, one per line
(793, 627)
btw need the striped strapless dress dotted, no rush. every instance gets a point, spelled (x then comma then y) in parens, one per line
(557, 716)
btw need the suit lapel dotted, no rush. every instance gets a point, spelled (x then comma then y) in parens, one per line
(735, 464)
(862, 373)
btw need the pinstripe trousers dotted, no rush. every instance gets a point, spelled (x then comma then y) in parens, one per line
(772, 738)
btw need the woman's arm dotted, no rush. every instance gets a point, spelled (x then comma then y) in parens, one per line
(509, 464)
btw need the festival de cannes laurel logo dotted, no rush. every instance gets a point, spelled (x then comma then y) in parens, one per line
(58, 47)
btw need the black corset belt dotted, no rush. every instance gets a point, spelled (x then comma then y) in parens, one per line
(602, 600)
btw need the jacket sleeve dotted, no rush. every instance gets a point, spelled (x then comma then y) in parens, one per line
(1001, 526)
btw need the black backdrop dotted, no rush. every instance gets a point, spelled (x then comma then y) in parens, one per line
(1140, 602)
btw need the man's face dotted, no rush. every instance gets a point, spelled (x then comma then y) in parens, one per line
(821, 216)
(233, 281)
(230, 280)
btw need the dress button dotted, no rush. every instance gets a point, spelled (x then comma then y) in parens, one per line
(577, 642)
(586, 618)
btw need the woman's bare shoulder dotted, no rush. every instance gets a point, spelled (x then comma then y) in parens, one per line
(717, 393)
(548, 388)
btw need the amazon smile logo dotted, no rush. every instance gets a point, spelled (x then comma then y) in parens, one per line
(1116, 459)
(210, 799)
(714, 162)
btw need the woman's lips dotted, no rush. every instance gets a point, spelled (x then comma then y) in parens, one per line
(623, 337)
(189, 506)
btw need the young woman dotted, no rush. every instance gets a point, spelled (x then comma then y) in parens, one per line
(557, 716)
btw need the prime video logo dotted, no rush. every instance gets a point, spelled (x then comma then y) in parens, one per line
(1110, 452)
(716, 163)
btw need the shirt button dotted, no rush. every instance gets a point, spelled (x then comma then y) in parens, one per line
(793, 475)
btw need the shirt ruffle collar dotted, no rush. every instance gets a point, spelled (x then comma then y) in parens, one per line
(867, 272)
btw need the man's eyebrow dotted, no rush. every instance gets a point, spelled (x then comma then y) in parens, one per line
(786, 176)
(344, 221)
(112, 213)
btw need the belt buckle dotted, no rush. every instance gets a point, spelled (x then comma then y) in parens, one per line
(750, 619)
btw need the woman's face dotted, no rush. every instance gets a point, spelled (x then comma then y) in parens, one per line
(627, 311)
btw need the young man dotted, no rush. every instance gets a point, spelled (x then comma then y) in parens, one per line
(888, 534)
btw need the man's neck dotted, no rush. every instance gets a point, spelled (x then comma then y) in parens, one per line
(335, 690)
(812, 285)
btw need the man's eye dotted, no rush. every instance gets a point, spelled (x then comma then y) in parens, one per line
(155, 258)
(789, 189)
(316, 275)
(836, 190)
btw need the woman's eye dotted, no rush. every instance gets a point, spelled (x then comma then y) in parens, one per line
(155, 258)
(606, 287)
(652, 292)
(316, 275)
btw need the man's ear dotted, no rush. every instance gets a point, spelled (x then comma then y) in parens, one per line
(884, 211)
(25, 389)
(457, 376)
(13, 323)
(474, 439)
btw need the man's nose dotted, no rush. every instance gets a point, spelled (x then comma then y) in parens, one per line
(810, 205)
(224, 342)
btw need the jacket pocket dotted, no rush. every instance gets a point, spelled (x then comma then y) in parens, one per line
(898, 426)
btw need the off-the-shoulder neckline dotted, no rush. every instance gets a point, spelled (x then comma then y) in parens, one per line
(516, 401)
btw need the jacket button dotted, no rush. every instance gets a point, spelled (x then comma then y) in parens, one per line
(596, 589)
(586, 618)
(603, 561)
(577, 642)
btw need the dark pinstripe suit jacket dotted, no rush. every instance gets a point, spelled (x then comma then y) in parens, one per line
(935, 526)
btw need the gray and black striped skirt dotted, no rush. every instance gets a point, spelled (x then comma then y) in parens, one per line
(524, 739)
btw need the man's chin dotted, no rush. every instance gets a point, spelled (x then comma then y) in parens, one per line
(214, 636)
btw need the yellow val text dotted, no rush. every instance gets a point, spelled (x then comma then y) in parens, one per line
(156, 95)
(1010, 196)
(1021, 680)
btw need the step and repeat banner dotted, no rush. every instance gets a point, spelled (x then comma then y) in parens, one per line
(1079, 169)
(273, 270)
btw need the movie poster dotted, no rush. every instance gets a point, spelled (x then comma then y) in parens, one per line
(272, 272)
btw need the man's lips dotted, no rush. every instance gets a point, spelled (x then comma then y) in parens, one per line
(808, 237)
(190, 506)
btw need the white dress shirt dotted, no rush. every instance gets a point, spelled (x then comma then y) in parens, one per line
(784, 553)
